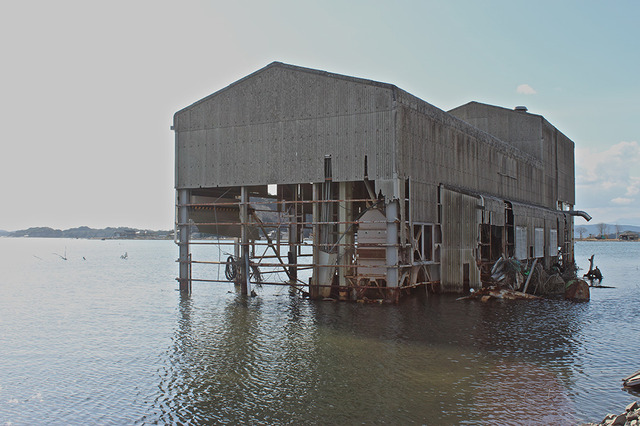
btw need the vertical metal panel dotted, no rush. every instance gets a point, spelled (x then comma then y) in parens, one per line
(566, 169)
(424, 202)
(521, 243)
(553, 242)
(459, 239)
(538, 247)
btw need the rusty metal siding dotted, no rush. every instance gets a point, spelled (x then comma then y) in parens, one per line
(276, 126)
(460, 220)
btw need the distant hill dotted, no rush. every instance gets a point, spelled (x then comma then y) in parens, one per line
(610, 230)
(4, 233)
(86, 232)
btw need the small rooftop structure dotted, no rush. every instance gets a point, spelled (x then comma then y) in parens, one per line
(629, 236)
(396, 193)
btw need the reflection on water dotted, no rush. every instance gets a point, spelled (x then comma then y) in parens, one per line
(111, 341)
(433, 360)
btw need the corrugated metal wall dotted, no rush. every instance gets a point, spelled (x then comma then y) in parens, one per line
(436, 148)
(566, 169)
(530, 218)
(534, 135)
(277, 125)
(424, 202)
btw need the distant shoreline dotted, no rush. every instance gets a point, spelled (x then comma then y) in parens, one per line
(617, 240)
(86, 238)
(85, 232)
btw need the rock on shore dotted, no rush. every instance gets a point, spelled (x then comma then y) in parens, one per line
(631, 417)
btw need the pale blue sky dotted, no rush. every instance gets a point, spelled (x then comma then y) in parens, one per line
(88, 89)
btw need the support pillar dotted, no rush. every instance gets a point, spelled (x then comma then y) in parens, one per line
(292, 258)
(345, 232)
(392, 244)
(183, 242)
(313, 284)
(245, 285)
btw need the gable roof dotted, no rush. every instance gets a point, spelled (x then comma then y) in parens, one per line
(282, 65)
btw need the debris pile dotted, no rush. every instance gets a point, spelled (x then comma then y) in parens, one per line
(514, 275)
(489, 293)
(630, 417)
(512, 279)
(507, 273)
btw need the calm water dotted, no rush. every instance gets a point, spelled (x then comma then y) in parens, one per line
(102, 340)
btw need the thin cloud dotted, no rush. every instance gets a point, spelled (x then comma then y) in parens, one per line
(525, 89)
(610, 168)
(608, 183)
(633, 187)
(622, 201)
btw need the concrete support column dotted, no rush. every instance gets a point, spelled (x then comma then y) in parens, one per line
(245, 285)
(183, 234)
(345, 231)
(293, 238)
(392, 243)
(313, 285)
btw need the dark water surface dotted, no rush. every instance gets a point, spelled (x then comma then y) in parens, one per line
(109, 341)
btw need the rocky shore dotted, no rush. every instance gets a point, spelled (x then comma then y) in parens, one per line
(630, 417)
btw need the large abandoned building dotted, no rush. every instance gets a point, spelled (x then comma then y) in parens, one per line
(366, 188)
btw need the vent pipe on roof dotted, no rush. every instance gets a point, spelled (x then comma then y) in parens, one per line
(521, 108)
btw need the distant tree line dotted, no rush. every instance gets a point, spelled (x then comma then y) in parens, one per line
(86, 232)
(603, 230)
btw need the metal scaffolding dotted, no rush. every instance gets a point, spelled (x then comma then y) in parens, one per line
(346, 247)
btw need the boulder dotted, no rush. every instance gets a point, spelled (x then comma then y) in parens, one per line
(577, 290)
(620, 420)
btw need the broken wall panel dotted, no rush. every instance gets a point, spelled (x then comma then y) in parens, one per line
(460, 219)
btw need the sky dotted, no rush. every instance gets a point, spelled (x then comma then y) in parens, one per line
(88, 89)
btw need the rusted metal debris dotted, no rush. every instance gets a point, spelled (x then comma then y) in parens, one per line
(494, 293)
